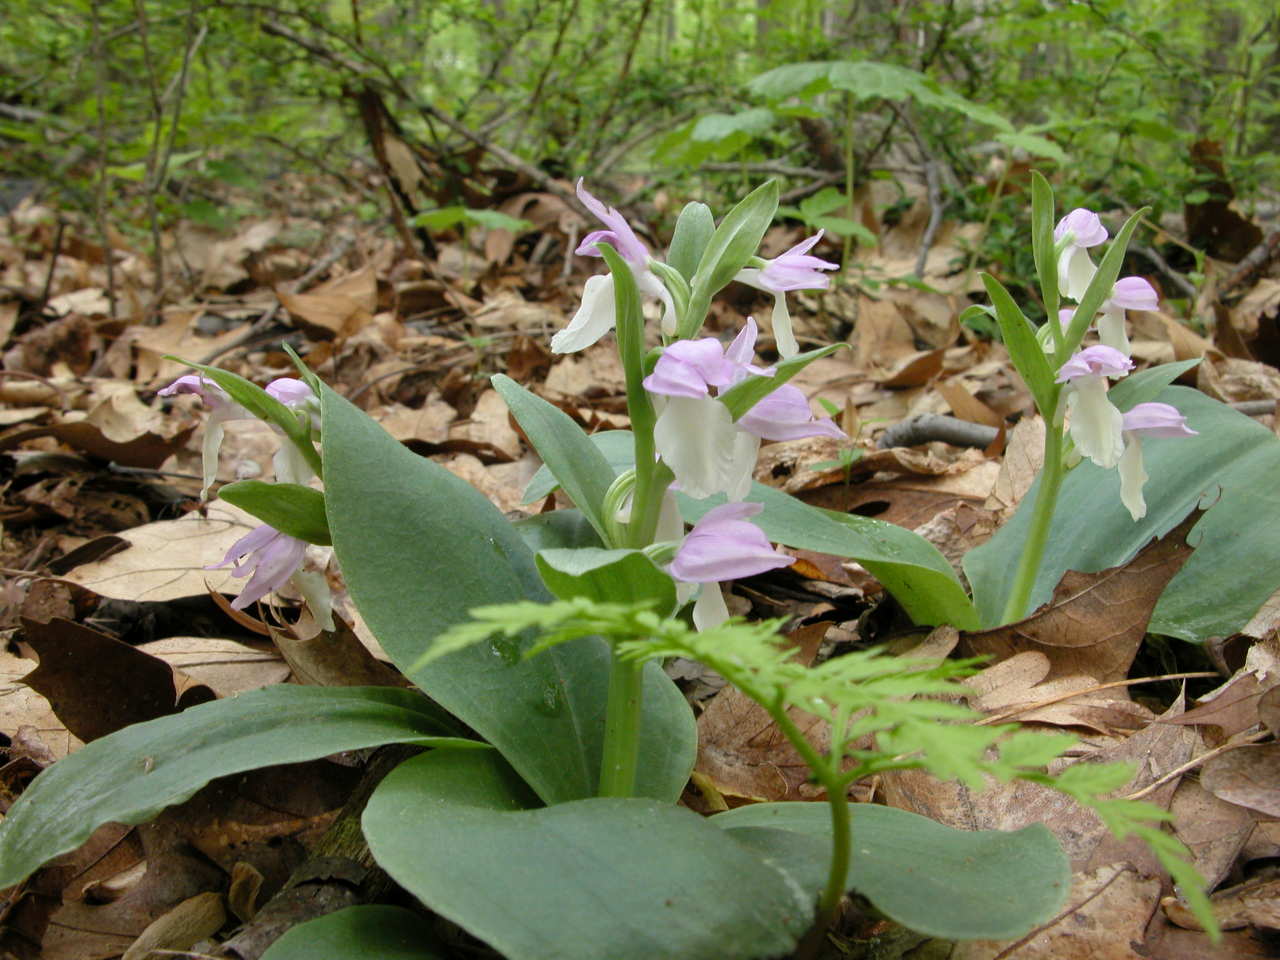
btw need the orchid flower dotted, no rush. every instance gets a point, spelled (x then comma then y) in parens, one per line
(290, 466)
(695, 433)
(722, 546)
(1081, 229)
(1129, 293)
(221, 409)
(265, 555)
(289, 463)
(1152, 420)
(596, 315)
(1095, 422)
(793, 270)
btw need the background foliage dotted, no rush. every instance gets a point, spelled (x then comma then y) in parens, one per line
(188, 98)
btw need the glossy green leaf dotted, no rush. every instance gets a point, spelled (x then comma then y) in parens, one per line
(909, 566)
(958, 884)
(133, 774)
(744, 395)
(734, 242)
(1042, 213)
(420, 548)
(692, 233)
(1024, 349)
(565, 450)
(627, 879)
(1232, 465)
(367, 932)
(559, 529)
(289, 507)
(608, 576)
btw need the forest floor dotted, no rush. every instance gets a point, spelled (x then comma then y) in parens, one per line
(112, 615)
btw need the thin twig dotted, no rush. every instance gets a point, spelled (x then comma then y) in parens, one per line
(1198, 761)
(1032, 707)
(100, 85)
(1179, 280)
(53, 265)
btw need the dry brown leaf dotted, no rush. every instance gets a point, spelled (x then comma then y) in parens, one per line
(1095, 622)
(98, 685)
(1106, 914)
(1016, 688)
(1231, 380)
(1248, 776)
(965, 405)
(226, 667)
(338, 308)
(741, 751)
(1214, 831)
(428, 424)
(181, 928)
(332, 658)
(1252, 904)
(487, 432)
(168, 559)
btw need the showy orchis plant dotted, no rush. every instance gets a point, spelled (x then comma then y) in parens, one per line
(1069, 381)
(542, 636)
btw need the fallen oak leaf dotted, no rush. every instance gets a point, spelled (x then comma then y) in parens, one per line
(1095, 622)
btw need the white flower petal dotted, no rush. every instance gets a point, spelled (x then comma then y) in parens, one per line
(710, 609)
(696, 438)
(1096, 424)
(595, 317)
(782, 334)
(1132, 477)
(1111, 329)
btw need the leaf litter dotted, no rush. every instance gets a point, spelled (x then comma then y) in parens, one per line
(112, 615)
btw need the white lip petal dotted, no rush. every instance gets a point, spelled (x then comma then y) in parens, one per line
(1133, 477)
(1096, 425)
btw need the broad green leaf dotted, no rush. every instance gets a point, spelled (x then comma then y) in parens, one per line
(693, 231)
(1024, 349)
(608, 576)
(742, 396)
(1146, 385)
(367, 932)
(1232, 465)
(909, 566)
(616, 446)
(958, 884)
(560, 529)
(731, 246)
(1034, 144)
(440, 219)
(133, 774)
(790, 80)
(565, 450)
(844, 227)
(717, 126)
(420, 548)
(289, 507)
(496, 220)
(627, 879)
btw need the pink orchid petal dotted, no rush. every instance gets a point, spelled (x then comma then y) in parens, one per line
(1157, 420)
(1094, 361)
